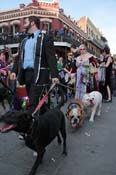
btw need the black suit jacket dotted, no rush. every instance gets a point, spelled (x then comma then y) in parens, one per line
(48, 60)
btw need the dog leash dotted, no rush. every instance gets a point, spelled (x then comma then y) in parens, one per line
(61, 84)
(42, 101)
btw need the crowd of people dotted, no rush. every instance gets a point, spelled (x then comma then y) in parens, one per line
(91, 73)
(36, 63)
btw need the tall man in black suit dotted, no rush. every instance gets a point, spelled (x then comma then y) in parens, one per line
(36, 62)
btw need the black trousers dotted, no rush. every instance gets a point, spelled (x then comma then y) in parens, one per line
(34, 92)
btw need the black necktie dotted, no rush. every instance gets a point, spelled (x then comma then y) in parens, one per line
(31, 35)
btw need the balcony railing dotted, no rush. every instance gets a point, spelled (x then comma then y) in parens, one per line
(98, 43)
(9, 40)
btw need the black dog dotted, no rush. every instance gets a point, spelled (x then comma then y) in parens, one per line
(38, 131)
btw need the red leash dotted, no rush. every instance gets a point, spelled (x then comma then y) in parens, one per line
(42, 101)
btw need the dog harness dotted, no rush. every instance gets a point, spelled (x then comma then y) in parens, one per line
(73, 105)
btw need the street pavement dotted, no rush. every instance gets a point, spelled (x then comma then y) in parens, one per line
(91, 149)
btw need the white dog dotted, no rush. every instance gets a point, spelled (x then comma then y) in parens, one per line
(93, 100)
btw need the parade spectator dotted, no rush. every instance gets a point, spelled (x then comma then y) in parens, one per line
(75, 50)
(114, 77)
(2, 59)
(108, 65)
(60, 63)
(84, 80)
(3, 71)
(68, 68)
(37, 62)
(60, 69)
(6, 52)
(101, 75)
(61, 74)
(61, 33)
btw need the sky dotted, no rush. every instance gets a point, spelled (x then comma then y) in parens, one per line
(101, 12)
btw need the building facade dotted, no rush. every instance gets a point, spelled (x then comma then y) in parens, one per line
(96, 41)
(52, 19)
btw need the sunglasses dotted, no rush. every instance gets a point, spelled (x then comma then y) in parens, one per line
(82, 49)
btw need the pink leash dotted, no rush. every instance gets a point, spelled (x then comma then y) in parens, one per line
(42, 101)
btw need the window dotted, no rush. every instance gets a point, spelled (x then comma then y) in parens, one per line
(46, 26)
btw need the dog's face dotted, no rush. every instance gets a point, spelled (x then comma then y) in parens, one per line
(74, 114)
(19, 120)
(88, 100)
